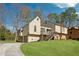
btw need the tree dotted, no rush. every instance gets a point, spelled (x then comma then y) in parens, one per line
(71, 15)
(5, 34)
(53, 18)
(62, 18)
(16, 20)
(25, 14)
(2, 32)
(2, 21)
(37, 12)
(21, 18)
(1, 13)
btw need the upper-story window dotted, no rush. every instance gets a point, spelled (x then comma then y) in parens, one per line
(35, 28)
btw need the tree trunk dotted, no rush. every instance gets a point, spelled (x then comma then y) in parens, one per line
(16, 36)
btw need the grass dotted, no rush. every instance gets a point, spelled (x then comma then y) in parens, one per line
(51, 48)
(7, 41)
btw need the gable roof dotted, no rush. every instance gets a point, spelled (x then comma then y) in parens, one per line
(29, 22)
(46, 23)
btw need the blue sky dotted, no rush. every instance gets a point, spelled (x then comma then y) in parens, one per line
(45, 8)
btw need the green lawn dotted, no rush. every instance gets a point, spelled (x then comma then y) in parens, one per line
(51, 48)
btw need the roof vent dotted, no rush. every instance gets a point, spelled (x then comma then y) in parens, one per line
(37, 18)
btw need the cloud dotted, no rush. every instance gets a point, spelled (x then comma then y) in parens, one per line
(65, 5)
(77, 13)
(72, 4)
(61, 5)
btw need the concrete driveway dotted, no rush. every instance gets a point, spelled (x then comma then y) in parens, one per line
(10, 49)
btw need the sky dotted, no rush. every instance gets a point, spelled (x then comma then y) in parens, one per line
(46, 8)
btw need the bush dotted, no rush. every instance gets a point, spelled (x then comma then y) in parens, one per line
(2, 38)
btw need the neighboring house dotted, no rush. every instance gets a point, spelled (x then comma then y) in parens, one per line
(37, 30)
(73, 33)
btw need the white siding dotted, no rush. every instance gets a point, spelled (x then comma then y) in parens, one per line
(58, 29)
(25, 30)
(21, 34)
(36, 23)
(64, 30)
(33, 38)
(45, 27)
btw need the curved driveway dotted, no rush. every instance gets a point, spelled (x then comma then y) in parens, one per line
(10, 49)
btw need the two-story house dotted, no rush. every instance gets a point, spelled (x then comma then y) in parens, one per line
(37, 30)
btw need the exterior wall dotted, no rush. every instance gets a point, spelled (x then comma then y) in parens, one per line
(36, 22)
(21, 34)
(45, 27)
(58, 29)
(25, 30)
(64, 30)
(33, 38)
(73, 33)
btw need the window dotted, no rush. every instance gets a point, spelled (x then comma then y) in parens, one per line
(48, 31)
(35, 28)
(37, 19)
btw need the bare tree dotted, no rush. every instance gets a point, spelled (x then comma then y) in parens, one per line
(25, 14)
(16, 20)
(1, 14)
(21, 17)
(2, 20)
(37, 12)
